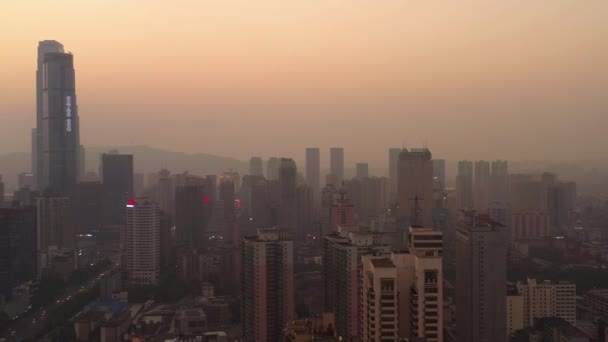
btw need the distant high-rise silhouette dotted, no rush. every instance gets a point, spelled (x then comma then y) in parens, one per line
(464, 185)
(116, 172)
(191, 209)
(272, 168)
(336, 164)
(481, 187)
(288, 205)
(256, 166)
(415, 182)
(362, 170)
(393, 172)
(57, 131)
(313, 176)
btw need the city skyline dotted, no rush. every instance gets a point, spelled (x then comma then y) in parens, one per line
(291, 72)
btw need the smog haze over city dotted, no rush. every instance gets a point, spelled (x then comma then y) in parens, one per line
(471, 79)
(304, 171)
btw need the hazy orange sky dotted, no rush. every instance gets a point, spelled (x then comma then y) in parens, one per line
(472, 79)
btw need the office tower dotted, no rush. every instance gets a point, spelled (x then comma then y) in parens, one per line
(1, 192)
(328, 196)
(34, 153)
(341, 273)
(481, 187)
(138, 184)
(415, 188)
(44, 47)
(256, 167)
(401, 294)
(499, 181)
(336, 164)
(268, 285)
(343, 212)
(58, 130)
(481, 275)
(439, 174)
(313, 176)
(25, 180)
(82, 169)
(464, 185)
(88, 205)
(190, 212)
(272, 168)
(393, 172)
(547, 299)
(362, 170)
(116, 171)
(18, 254)
(142, 242)
(287, 181)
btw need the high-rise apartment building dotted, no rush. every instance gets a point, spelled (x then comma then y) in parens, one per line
(313, 168)
(343, 212)
(481, 275)
(116, 172)
(328, 196)
(362, 170)
(393, 172)
(336, 164)
(402, 294)
(499, 181)
(142, 242)
(464, 185)
(529, 225)
(415, 188)
(313, 178)
(548, 299)
(256, 167)
(341, 270)
(515, 310)
(288, 205)
(58, 137)
(268, 285)
(481, 187)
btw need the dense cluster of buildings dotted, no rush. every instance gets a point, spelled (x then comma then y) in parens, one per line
(400, 258)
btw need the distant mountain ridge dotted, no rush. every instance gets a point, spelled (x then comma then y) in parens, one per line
(147, 159)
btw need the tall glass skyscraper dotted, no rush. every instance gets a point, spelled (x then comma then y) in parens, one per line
(57, 133)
